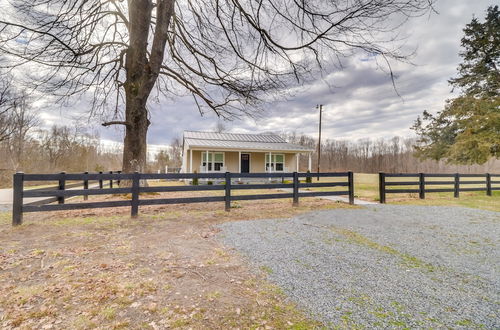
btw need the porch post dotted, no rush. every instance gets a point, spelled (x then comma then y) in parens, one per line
(239, 161)
(270, 162)
(206, 161)
(297, 156)
(309, 165)
(191, 161)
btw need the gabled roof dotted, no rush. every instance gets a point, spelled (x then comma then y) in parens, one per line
(262, 142)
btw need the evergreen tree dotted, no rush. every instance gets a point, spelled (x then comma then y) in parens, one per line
(467, 131)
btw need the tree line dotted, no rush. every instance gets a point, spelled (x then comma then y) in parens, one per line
(26, 147)
(396, 155)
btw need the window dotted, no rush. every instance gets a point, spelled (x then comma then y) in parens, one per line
(214, 161)
(218, 161)
(277, 162)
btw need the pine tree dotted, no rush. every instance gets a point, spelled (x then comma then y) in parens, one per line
(467, 131)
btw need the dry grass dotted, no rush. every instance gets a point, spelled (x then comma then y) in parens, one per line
(101, 269)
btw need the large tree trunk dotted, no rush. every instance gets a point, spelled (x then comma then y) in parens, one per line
(135, 144)
(142, 74)
(137, 89)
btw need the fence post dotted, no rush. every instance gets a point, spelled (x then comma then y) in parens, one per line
(111, 180)
(118, 181)
(350, 179)
(62, 186)
(381, 187)
(488, 184)
(86, 186)
(295, 189)
(100, 180)
(227, 198)
(135, 194)
(17, 201)
(421, 186)
(456, 188)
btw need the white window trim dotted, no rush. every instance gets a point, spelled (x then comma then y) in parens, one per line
(213, 159)
(274, 163)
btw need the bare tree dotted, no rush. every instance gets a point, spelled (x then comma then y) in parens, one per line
(7, 104)
(22, 121)
(228, 54)
(220, 127)
(175, 152)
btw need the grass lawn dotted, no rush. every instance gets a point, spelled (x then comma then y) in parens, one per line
(366, 187)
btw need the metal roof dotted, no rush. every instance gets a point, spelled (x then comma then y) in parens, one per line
(266, 137)
(240, 141)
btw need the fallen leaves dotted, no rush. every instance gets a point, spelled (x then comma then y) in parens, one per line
(79, 273)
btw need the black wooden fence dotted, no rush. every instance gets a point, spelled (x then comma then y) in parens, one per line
(449, 183)
(227, 184)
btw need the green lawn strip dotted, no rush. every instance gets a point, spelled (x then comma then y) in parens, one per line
(407, 260)
(366, 187)
(477, 200)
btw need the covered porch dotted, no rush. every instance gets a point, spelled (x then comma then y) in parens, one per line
(243, 161)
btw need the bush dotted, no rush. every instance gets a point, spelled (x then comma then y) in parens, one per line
(210, 183)
(195, 180)
(308, 179)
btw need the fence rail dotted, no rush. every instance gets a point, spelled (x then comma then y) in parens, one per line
(451, 182)
(60, 192)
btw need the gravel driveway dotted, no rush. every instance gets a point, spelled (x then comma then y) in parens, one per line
(382, 266)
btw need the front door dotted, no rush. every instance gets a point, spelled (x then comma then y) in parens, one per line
(245, 163)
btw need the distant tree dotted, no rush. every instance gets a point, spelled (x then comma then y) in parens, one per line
(467, 131)
(220, 127)
(7, 104)
(175, 152)
(22, 121)
(228, 55)
(162, 159)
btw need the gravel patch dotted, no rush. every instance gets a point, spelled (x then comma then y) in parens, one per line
(382, 266)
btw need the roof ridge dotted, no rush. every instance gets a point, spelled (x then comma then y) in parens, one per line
(226, 136)
(263, 133)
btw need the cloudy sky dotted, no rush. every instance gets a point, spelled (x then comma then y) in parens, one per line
(362, 103)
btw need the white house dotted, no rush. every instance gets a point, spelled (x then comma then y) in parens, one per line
(240, 153)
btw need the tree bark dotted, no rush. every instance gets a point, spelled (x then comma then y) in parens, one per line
(142, 75)
(135, 143)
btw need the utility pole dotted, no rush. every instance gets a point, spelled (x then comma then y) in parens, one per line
(319, 138)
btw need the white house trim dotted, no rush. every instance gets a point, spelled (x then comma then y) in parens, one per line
(213, 160)
(191, 160)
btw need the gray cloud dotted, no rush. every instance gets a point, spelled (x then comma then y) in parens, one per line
(362, 103)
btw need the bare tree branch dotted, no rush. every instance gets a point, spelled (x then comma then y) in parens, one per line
(230, 55)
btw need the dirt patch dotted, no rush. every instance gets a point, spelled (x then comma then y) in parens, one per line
(99, 268)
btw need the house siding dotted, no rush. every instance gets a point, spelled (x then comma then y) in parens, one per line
(196, 161)
(231, 161)
(290, 162)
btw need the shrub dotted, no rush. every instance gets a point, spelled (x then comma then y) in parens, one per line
(210, 183)
(195, 180)
(308, 179)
